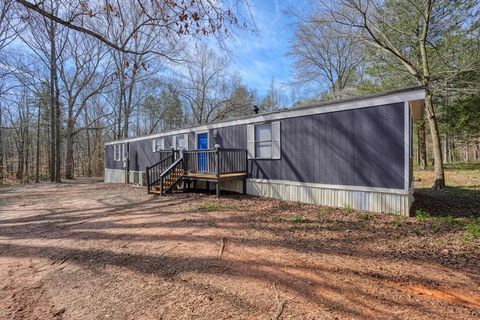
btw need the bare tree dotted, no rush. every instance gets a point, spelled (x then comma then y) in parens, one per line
(167, 19)
(205, 85)
(413, 34)
(84, 70)
(324, 56)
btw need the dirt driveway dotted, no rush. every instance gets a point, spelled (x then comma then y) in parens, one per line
(87, 250)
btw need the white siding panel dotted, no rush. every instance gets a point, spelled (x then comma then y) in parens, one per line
(114, 176)
(276, 143)
(369, 201)
(251, 141)
(185, 141)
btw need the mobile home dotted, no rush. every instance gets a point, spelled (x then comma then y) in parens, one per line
(354, 153)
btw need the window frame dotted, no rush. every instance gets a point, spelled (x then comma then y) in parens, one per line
(255, 141)
(161, 144)
(175, 140)
(117, 152)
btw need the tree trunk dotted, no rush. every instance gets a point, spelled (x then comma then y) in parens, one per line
(53, 71)
(89, 155)
(58, 158)
(446, 147)
(477, 150)
(37, 151)
(436, 145)
(69, 160)
(422, 145)
(1, 146)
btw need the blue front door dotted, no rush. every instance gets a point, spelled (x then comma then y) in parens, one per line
(202, 144)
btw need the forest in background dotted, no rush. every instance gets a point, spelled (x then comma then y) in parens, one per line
(74, 75)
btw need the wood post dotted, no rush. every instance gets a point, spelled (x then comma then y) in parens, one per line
(217, 162)
(148, 179)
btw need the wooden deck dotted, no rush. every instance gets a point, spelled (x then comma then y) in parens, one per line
(212, 177)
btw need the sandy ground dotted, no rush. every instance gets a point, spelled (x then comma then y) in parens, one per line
(87, 250)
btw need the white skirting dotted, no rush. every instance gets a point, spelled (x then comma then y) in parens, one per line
(361, 198)
(376, 200)
(114, 176)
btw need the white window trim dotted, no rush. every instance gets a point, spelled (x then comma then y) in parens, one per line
(117, 152)
(185, 141)
(255, 141)
(161, 144)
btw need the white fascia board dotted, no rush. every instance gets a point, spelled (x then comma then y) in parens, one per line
(415, 94)
(333, 186)
(406, 135)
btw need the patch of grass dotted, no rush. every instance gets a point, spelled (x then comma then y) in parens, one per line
(399, 221)
(463, 166)
(210, 206)
(348, 208)
(472, 230)
(367, 216)
(297, 218)
(448, 221)
(417, 232)
(290, 204)
(421, 215)
(322, 211)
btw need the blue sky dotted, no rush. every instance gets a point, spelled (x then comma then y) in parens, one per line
(259, 57)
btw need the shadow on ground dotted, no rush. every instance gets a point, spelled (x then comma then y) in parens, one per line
(451, 201)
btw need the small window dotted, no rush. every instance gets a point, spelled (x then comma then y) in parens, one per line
(158, 144)
(263, 141)
(180, 142)
(116, 152)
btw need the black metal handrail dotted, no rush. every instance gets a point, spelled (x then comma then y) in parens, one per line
(155, 171)
(166, 173)
(171, 175)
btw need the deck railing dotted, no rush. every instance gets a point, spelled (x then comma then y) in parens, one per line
(215, 161)
(209, 161)
(155, 171)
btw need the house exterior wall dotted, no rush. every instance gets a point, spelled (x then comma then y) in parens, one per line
(361, 147)
(354, 157)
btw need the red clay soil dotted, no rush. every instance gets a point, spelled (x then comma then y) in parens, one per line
(87, 250)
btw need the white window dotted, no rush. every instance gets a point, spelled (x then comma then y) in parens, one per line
(158, 144)
(263, 141)
(181, 141)
(116, 152)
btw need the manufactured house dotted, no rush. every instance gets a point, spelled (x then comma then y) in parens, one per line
(353, 153)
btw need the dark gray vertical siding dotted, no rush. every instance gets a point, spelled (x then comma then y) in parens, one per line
(361, 147)
(110, 163)
(191, 140)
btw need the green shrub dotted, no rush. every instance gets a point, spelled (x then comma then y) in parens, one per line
(297, 218)
(421, 215)
(399, 221)
(448, 220)
(322, 211)
(472, 230)
(348, 208)
(210, 206)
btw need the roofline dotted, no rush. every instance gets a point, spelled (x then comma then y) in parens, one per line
(395, 96)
